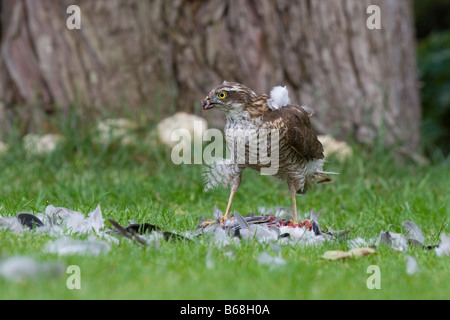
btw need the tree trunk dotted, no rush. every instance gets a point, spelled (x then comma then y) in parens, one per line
(160, 55)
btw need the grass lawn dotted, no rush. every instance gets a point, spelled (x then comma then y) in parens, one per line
(371, 194)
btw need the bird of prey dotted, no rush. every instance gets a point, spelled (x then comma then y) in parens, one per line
(300, 154)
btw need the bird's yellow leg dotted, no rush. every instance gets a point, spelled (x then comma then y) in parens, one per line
(294, 206)
(227, 212)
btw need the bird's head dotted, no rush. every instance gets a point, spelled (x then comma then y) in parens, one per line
(230, 97)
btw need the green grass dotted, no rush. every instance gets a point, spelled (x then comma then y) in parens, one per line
(371, 194)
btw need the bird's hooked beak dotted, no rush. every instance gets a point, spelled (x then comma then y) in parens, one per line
(207, 103)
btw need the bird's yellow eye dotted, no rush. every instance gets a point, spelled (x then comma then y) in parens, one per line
(222, 95)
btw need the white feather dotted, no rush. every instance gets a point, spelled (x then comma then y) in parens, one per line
(219, 173)
(279, 98)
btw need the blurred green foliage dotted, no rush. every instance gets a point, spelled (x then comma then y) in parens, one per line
(434, 74)
(431, 16)
(433, 54)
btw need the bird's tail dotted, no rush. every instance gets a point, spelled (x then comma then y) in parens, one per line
(320, 177)
(323, 178)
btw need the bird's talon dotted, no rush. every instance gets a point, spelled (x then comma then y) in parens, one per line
(207, 223)
(223, 219)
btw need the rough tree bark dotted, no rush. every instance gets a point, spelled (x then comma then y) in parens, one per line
(155, 54)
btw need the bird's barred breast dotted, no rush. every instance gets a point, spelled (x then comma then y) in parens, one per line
(250, 149)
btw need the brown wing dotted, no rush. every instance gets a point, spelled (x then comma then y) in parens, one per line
(300, 134)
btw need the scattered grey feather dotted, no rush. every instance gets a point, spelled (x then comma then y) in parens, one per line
(242, 223)
(136, 230)
(276, 248)
(30, 221)
(271, 261)
(396, 241)
(129, 234)
(444, 247)
(67, 246)
(142, 228)
(19, 269)
(414, 233)
(411, 265)
(217, 213)
(385, 237)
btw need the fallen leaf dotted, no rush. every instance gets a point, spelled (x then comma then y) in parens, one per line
(335, 255)
(359, 252)
(353, 253)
